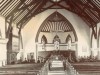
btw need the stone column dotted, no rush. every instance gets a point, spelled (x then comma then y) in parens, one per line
(76, 52)
(3, 52)
(36, 52)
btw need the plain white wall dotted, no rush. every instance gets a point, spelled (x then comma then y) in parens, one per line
(2, 26)
(3, 42)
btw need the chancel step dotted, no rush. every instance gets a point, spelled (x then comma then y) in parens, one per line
(56, 73)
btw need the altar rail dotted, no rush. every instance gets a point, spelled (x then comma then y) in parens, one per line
(44, 69)
(70, 69)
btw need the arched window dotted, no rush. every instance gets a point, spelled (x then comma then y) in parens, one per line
(56, 42)
(44, 39)
(56, 38)
(69, 41)
(44, 42)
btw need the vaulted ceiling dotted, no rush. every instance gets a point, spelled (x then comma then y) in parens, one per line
(21, 11)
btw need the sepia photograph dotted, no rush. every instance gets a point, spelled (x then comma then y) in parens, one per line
(49, 37)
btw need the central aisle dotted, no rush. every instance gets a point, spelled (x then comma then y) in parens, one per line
(56, 66)
(56, 73)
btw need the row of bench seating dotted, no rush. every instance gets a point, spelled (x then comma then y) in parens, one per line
(21, 69)
(90, 68)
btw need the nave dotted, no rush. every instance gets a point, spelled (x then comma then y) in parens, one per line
(55, 65)
(29, 28)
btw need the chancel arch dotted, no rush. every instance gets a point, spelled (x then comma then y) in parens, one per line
(48, 26)
(53, 28)
(51, 25)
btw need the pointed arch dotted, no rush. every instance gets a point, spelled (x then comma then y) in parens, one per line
(56, 38)
(49, 18)
(44, 39)
(68, 38)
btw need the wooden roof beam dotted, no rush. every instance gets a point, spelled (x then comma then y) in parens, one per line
(9, 27)
(33, 9)
(94, 6)
(44, 9)
(33, 2)
(6, 5)
(22, 1)
(75, 4)
(86, 6)
(37, 12)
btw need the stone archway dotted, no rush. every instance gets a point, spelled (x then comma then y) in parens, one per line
(55, 24)
(47, 21)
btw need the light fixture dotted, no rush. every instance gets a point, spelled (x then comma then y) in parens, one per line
(56, 17)
(56, 0)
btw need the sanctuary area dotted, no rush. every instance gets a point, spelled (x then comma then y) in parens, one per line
(49, 37)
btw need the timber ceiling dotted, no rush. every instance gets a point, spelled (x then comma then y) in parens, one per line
(21, 11)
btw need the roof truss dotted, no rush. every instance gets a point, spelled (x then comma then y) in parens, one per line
(23, 10)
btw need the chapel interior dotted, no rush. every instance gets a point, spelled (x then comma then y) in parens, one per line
(49, 37)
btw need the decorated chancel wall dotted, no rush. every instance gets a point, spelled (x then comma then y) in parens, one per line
(30, 31)
(62, 42)
(25, 31)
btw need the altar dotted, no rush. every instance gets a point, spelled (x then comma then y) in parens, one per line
(56, 61)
